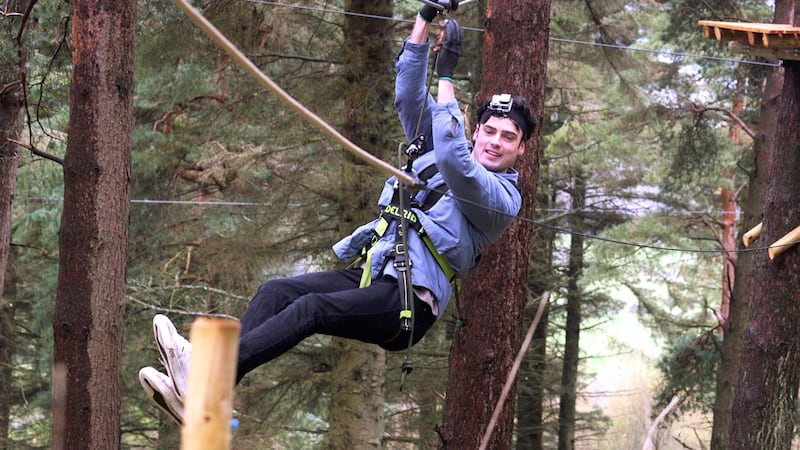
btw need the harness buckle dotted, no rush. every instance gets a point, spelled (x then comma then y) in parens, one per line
(401, 261)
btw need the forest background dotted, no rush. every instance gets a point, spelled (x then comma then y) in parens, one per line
(647, 148)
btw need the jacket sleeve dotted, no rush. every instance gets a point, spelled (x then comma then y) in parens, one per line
(411, 65)
(489, 200)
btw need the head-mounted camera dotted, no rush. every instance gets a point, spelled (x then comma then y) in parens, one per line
(501, 104)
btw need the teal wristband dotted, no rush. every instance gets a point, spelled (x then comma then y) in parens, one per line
(446, 78)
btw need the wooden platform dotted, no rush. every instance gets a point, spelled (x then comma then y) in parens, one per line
(767, 40)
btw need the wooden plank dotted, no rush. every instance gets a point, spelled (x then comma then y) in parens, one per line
(723, 34)
(770, 28)
(756, 35)
(781, 40)
(768, 53)
(751, 37)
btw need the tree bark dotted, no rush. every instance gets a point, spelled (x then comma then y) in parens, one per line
(88, 321)
(572, 332)
(356, 411)
(10, 124)
(530, 413)
(766, 396)
(736, 320)
(495, 294)
(12, 80)
(728, 243)
(357, 401)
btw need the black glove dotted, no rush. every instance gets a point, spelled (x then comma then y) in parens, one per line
(449, 50)
(428, 12)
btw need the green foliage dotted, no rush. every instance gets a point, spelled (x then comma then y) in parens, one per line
(654, 133)
(697, 148)
(689, 365)
(231, 188)
(31, 284)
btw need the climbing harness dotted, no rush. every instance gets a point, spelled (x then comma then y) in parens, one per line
(402, 263)
(392, 211)
(400, 210)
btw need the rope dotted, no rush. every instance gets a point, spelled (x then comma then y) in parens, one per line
(284, 96)
(514, 369)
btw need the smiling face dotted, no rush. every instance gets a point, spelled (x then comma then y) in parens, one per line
(498, 143)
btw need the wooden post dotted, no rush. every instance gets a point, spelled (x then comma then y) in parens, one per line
(783, 244)
(212, 371)
(752, 234)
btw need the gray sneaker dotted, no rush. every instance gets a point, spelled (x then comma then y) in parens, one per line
(159, 389)
(175, 352)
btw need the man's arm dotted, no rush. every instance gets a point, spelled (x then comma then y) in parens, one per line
(447, 91)
(419, 34)
(411, 65)
(477, 190)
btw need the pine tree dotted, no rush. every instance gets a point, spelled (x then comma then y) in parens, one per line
(12, 80)
(514, 59)
(90, 300)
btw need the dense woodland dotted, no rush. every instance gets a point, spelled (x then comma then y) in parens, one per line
(655, 157)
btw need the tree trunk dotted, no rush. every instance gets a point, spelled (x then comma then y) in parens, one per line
(88, 321)
(10, 124)
(572, 332)
(766, 396)
(495, 294)
(357, 402)
(12, 79)
(736, 321)
(728, 243)
(530, 414)
(356, 396)
(532, 387)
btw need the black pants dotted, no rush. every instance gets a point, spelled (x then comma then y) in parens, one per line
(285, 311)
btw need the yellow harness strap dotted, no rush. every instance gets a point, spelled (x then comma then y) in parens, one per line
(366, 252)
(380, 230)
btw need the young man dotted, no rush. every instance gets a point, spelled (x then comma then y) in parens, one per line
(366, 302)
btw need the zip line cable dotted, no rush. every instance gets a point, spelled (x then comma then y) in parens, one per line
(672, 54)
(164, 201)
(532, 221)
(539, 223)
(609, 240)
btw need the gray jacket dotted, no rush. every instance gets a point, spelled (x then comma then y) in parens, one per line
(478, 207)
